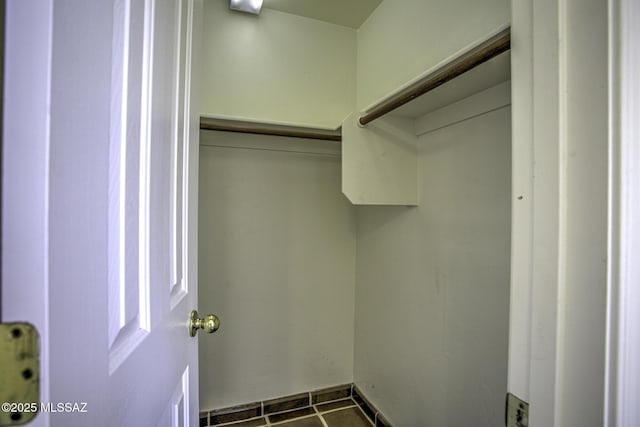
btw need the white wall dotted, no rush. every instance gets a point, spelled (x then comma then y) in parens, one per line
(432, 291)
(404, 38)
(277, 265)
(276, 67)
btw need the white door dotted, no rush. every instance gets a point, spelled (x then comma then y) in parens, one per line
(99, 204)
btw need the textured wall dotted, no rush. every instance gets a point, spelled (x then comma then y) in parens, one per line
(432, 292)
(277, 265)
(404, 38)
(276, 67)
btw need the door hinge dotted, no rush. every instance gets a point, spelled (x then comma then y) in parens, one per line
(516, 412)
(19, 373)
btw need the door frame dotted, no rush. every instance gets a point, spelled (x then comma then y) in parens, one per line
(25, 168)
(540, 337)
(623, 341)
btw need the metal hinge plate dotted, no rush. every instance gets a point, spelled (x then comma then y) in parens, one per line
(19, 373)
(517, 412)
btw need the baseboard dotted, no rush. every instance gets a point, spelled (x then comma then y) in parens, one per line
(307, 404)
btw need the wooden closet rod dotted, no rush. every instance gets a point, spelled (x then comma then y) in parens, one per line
(267, 129)
(471, 59)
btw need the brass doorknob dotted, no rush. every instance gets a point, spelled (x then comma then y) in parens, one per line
(209, 323)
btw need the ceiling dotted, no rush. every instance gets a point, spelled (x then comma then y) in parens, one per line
(348, 13)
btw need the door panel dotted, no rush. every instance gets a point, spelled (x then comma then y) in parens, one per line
(118, 166)
(180, 140)
(128, 291)
(157, 369)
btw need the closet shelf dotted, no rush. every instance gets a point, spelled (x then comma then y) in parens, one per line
(263, 128)
(380, 158)
(465, 67)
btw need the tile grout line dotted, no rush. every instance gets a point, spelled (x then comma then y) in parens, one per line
(324, 423)
(365, 415)
(266, 417)
(304, 417)
(233, 423)
(316, 411)
(365, 402)
(351, 405)
(339, 409)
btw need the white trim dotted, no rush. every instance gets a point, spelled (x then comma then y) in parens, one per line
(623, 340)
(26, 171)
(562, 206)
(180, 402)
(520, 304)
(117, 169)
(145, 160)
(185, 148)
(175, 150)
(128, 338)
(613, 223)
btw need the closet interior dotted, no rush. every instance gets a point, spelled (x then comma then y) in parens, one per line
(355, 214)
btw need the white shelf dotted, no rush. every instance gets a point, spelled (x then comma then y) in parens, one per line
(379, 160)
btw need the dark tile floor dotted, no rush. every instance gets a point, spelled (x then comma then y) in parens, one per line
(339, 413)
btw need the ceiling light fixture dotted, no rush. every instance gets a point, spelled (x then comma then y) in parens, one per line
(250, 6)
